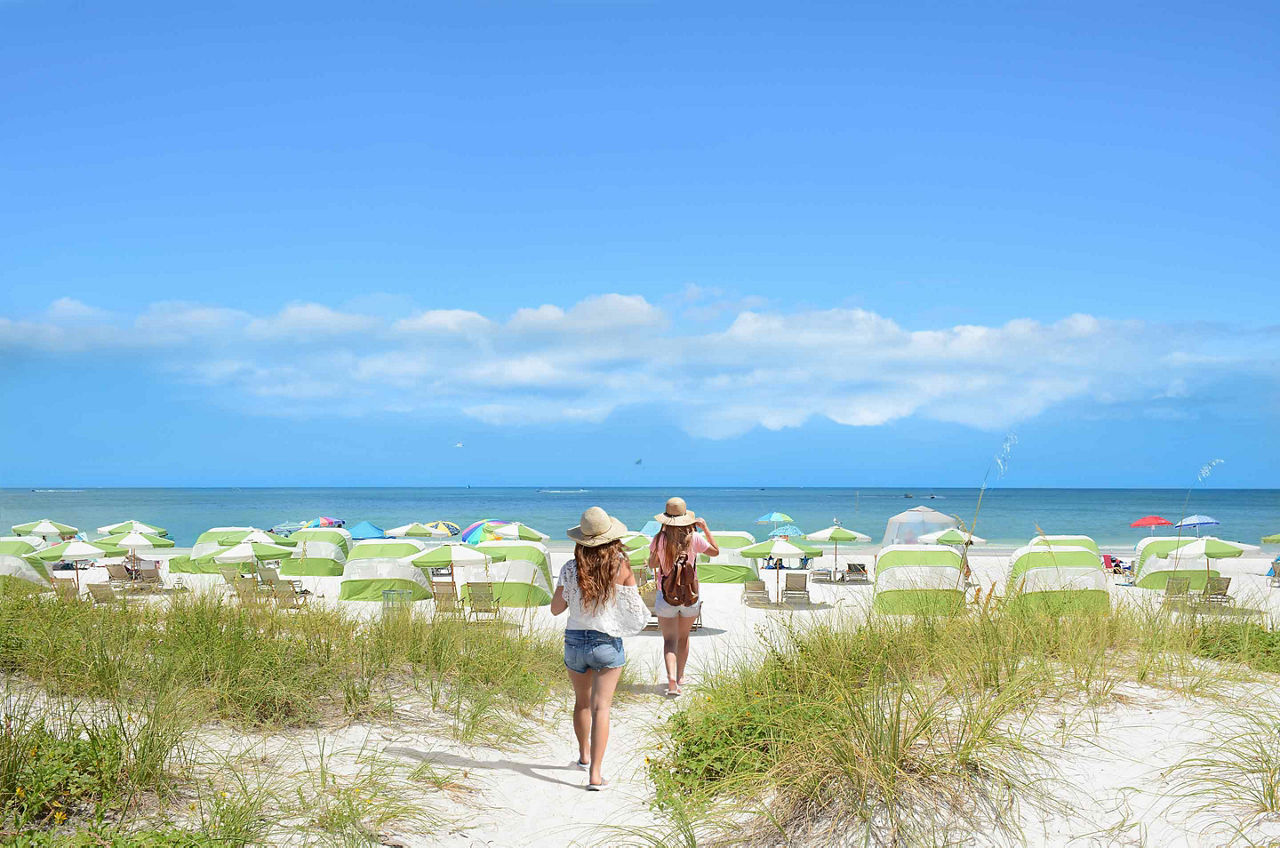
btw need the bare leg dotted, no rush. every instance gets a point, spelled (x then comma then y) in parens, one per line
(670, 644)
(601, 702)
(684, 625)
(582, 711)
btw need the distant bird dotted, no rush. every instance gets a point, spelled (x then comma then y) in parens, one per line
(457, 444)
(638, 461)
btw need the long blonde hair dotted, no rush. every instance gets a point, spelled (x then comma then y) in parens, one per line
(596, 569)
(675, 541)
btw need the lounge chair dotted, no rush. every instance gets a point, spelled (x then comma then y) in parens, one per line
(1215, 592)
(118, 577)
(480, 601)
(246, 589)
(271, 578)
(857, 573)
(103, 595)
(285, 597)
(65, 589)
(149, 578)
(755, 593)
(795, 587)
(1176, 591)
(445, 597)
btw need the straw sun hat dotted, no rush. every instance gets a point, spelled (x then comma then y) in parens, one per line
(676, 514)
(597, 528)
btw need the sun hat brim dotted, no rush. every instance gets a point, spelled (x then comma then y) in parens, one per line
(615, 532)
(685, 520)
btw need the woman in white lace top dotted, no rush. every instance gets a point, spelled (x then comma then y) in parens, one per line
(596, 588)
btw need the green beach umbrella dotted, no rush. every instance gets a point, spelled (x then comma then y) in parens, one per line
(135, 541)
(77, 550)
(951, 536)
(519, 531)
(1211, 548)
(1273, 539)
(132, 526)
(417, 529)
(779, 548)
(45, 527)
(639, 556)
(837, 534)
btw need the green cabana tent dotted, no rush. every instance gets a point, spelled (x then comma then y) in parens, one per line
(19, 575)
(309, 566)
(367, 579)
(918, 580)
(16, 547)
(513, 551)
(516, 582)
(385, 549)
(1057, 580)
(322, 542)
(1066, 542)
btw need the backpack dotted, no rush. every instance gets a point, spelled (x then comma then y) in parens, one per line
(680, 584)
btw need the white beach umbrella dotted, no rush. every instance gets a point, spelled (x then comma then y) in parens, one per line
(951, 536)
(132, 526)
(416, 528)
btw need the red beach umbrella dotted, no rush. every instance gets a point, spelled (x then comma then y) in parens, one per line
(1152, 521)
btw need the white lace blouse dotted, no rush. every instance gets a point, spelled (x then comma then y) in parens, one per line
(608, 617)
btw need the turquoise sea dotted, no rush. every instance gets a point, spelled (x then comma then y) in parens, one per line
(1008, 516)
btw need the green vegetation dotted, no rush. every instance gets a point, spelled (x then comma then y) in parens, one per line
(910, 731)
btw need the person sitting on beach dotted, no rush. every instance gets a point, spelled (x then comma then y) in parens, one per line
(674, 549)
(591, 586)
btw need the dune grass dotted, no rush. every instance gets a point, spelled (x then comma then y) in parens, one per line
(119, 692)
(916, 730)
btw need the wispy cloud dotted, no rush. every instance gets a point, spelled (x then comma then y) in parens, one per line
(715, 364)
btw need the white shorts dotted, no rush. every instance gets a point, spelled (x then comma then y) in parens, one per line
(662, 609)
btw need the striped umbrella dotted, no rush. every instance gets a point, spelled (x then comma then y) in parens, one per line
(779, 549)
(520, 531)
(75, 550)
(419, 530)
(135, 541)
(45, 527)
(132, 526)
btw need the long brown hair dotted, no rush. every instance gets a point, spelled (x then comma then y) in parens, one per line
(596, 569)
(675, 541)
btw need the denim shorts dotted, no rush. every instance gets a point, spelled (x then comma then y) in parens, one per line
(588, 649)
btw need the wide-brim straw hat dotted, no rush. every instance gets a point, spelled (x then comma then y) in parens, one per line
(676, 514)
(597, 528)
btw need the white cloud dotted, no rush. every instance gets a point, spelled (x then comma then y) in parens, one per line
(755, 367)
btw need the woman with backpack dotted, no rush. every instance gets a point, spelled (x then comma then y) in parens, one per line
(599, 591)
(673, 554)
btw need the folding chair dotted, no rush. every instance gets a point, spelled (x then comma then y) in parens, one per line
(480, 601)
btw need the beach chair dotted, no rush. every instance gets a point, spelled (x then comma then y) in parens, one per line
(1215, 592)
(445, 597)
(1176, 592)
(285, 597)
(118, 577)
(755, 594)
(857, 573)
(103, 595)
(270, 577)
(246, 589)
(149, 579)
(66, 590)
(229, 577)
(1274, 580)
(795, 587)
(480, 601)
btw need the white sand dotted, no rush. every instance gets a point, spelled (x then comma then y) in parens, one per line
(1109, 767)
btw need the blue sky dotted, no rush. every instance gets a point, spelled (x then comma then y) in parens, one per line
(320, 243)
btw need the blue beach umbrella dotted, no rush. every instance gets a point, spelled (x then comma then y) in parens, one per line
(1197, 521)
(786, 530)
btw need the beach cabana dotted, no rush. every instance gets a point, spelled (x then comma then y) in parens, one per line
(367, 579)
(19, 575)
(951, 536)
(1057, 579)
(534, 553)
(732, 540)
(1194, 561)
(516, 582)
(367, 530)
(386, 549)
(212, 539)
(296, 565)
(1065, 542)
(906, 528)
(193, 565)
(321, 543)
(1157, 546)
(727, 567)
(918, 580)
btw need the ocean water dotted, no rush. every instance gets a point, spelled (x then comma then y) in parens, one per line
(1007, 516)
